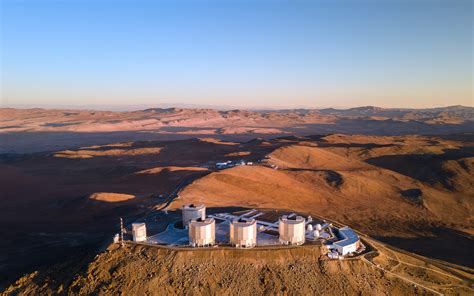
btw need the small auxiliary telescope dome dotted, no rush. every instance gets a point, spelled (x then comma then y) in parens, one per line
(316, 234)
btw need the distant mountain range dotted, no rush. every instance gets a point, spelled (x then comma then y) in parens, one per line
(37, 119)
(19, 126)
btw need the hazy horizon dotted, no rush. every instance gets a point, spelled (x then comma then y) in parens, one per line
(138, 107)
(241, 54)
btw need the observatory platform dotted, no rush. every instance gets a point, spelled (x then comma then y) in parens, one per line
(248, 229)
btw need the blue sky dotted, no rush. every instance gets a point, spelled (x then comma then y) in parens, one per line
(237, 53)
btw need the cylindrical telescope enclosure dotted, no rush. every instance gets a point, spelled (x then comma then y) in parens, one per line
(243, 234)
(139, 232)
(193, 211)
(292, 230)
(202, 232)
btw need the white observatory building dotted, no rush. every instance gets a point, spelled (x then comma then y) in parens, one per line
(193, 211)
(292, 230)
(349, 241)
(243, 233)
(202, 232)
(139, 232)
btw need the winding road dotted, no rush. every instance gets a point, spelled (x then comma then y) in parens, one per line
(399, 276)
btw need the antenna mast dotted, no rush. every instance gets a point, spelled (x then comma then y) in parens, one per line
(121, 231)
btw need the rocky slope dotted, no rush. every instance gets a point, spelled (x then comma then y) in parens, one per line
(140, 270)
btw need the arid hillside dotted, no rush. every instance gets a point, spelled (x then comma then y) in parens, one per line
(411, 192)
(410, 202)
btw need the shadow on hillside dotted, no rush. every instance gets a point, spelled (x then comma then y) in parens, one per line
(40, 251)
(27, 142)
(423, 167)
(321, 142)
(387, 127)
(72, 241)
(333, 178)
(446, 244)
(31, 142)
(356, 145)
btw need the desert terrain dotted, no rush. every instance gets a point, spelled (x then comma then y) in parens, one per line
(36, 130)
(413, 206)
(400, 177)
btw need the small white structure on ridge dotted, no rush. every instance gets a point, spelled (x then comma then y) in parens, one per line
(316, 234)
(139, 232)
